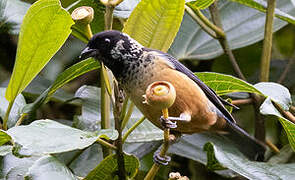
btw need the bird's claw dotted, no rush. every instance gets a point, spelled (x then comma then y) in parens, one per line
(167, 123)
(161, 160)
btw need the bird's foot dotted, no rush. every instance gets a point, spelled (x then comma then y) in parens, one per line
(167, 123)
(161, 160)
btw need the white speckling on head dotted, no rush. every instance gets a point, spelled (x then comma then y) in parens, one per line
(135, 49)
(116, 51)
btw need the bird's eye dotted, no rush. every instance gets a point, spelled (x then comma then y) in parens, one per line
(107, 40)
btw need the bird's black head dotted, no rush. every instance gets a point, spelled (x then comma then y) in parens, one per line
(115, 49)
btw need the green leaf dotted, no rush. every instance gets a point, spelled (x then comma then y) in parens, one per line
(262, 5)
(212, 162)
(48, 137)
(155, 23)
(45, 28)
(47, 168)
(66, 76)
(108, 168)
(276, 92)
(223, 84)
(16, 168)
(279, 94)
(15, 112)
(87, 161)
(267, 108)
(201, 4)
(4, 137)
(286, 152)
(227, 155)
(5, 149)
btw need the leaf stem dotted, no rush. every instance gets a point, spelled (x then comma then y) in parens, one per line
(20, 120)
(109, 17)
(105, 98)
(223, 40)
(5, 120)
(205, 24)
(128, 115)
(124, 108)
(106, 144)
(267, 43)
(132, 128)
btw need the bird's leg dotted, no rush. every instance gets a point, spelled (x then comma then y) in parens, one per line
(166, 159)
(167, 122)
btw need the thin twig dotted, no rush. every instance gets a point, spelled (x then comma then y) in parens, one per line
(286, 70)
(20, 120)
(223, 40)
(239, 102)
(272, 146)
(285, 114)
(106, 144)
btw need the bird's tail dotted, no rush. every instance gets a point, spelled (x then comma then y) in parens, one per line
(248, 145)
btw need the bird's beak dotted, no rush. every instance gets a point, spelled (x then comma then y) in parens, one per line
(88, 52)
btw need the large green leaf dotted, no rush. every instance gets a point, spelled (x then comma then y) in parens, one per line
(45, 28)
(262, 5)
(242, 25)
(47, 168)
(154, 23)
(191, 146)
(47, 137)
(223, 84)
(15, 114)
(107, 169)
(68, 75)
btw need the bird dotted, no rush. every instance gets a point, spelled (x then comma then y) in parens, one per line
(197, 108)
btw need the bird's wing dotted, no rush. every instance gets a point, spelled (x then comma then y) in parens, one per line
(211, 95)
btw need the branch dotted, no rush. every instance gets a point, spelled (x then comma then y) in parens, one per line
(223, 40)
(242, 101)
(267, 43)
(287, 69)
(204, 23)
